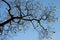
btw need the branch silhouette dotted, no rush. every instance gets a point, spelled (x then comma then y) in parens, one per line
(31, 12)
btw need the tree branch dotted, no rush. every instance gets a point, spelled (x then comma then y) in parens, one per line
(9, 8)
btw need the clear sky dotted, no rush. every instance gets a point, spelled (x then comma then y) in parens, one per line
(31, 34)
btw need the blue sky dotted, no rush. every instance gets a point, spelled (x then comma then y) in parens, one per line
(31, 34)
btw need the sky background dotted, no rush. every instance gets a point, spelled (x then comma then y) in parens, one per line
(57, 25)
(31, 34)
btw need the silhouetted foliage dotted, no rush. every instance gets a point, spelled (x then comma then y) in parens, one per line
(19, 14)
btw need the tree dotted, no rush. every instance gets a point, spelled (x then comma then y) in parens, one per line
(18, 13)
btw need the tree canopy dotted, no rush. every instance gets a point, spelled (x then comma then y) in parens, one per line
(17, 15)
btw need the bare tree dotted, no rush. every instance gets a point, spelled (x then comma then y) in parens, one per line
(18, 14)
